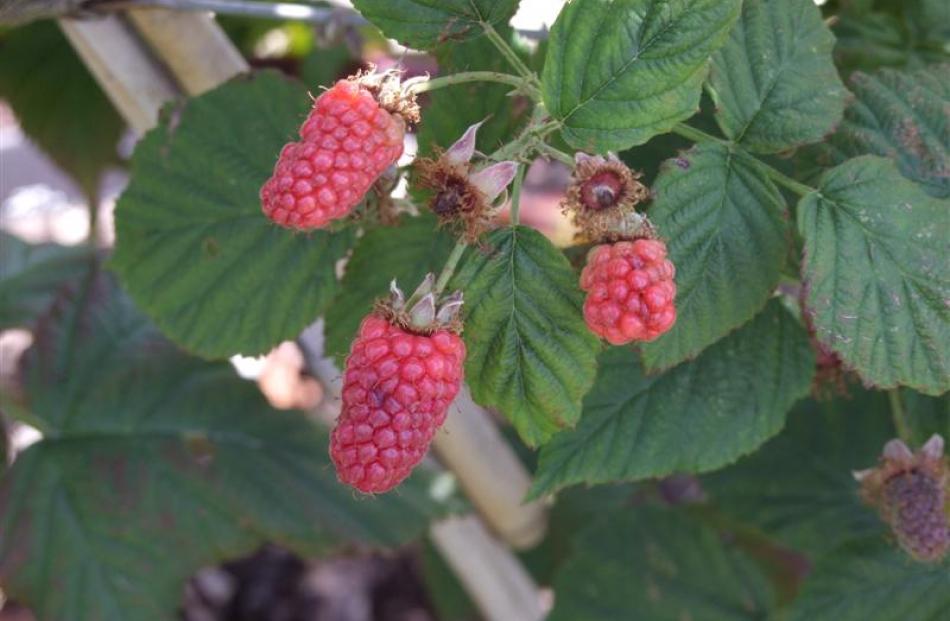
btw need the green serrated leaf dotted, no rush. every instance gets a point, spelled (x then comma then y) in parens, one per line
(925, 416)
(929, 21)
(30, 274)
(452, 110)
(900, 115)
(699, 416)
(877, 271)
(425, 24)
(192, 245)
(574, 510)
(652, 563)
(529, 352)
(773, 81)
(618, 73)
(155, 464)
(727, 231)
(870, 41)
(799, 487)
(649, 157)
(58, 103)
(871, 580)
(405, 253)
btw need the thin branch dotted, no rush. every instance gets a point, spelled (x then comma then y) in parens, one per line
(699, 136)
(510, 54)
(425, 85)
(899, 416)
(449, 268)
(16, 12)
(554, 153)
(515, 214)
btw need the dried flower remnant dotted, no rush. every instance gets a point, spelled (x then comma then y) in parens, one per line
(462, 196)
(603, 197)
(909, 491)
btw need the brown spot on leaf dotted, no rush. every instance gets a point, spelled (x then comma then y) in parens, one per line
(200, 448)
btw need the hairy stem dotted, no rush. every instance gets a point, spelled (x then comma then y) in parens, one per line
(448, 270)
(699, 136)
(510, 55)
(527, 141)
(516, 195)
(899, 416)
(554, 153)
(426, 85)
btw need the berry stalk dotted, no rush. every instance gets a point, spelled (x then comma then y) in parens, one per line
(510, 55)
(898, 415)
(515, 214)
(698, 135)
(448, 270)
(426, 85)
(554, 153)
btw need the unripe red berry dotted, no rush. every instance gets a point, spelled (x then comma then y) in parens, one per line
(397, 388)
(347, 142)
(630, 291)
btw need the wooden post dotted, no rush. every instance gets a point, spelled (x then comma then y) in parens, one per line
(493, 477)
(493, 578)
(124, 68)
(192, 45)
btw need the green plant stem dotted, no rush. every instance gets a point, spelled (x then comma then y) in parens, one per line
(699, 136)
(424, 86)
(787, 182)
(510, 55)
(696, 135)
(899, 416)
(515, 213)
(528, 140)
(448, 270)
(545, 149)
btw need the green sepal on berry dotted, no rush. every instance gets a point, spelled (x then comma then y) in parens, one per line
(424, 312)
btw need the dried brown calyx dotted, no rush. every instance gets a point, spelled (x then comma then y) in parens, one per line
(423, 312)
(603, 197)
(388, 90)
(909, 491)
(462, 196)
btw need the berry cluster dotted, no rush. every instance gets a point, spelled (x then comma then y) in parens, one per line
(347, 142)
(630, 291)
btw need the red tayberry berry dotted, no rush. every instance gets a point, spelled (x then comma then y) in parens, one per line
(347, 142)
(403, 371)
(630, 291)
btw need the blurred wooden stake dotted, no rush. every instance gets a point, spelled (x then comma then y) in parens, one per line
(493, 478)
(491, 575)
(192, 45)
(124, 68)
